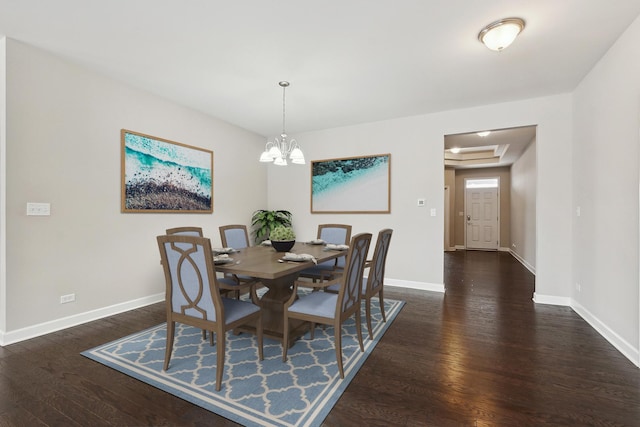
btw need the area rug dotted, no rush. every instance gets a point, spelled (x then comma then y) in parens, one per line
(300, 392)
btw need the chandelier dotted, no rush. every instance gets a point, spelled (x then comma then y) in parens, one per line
(278, 150)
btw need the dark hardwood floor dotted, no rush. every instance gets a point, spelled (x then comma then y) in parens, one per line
(482, 354)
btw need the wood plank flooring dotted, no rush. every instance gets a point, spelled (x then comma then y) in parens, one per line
(482, 354)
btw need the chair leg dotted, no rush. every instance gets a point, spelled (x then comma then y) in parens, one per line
(359, 329)
(220, 359)
(171, 328)
(313, 329)
(380, 294)
(260, 338)
(367, 304)
(338, 340)
(285, 338)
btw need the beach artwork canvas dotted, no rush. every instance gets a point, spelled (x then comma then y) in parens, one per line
(159, 175)
(351, 185)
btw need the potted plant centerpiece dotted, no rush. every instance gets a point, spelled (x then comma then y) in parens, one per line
(263, 221)
(282, 238)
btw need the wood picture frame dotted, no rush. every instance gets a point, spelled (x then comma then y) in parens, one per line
(359, 184)
(162, 176)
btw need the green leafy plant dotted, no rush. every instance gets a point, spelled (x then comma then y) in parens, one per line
(282, 233)
(263, 221)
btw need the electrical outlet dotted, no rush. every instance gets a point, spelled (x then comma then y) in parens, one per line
(67, 298)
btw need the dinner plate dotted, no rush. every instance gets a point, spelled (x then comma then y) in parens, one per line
(316, 242)
(222, 260)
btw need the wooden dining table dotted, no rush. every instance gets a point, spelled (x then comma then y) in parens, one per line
(278, 276)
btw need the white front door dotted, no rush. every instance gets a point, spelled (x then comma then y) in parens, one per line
(481, 214)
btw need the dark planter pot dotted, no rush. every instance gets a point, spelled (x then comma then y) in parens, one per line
(283, 245)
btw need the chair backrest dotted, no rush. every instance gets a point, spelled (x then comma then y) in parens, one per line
(234, 236)
(191, 286)
(338, 234)
(349, 294)
(375, 279)
(186, 231)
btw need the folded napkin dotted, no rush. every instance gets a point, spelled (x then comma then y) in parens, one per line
(316, 242)
(332, 247)
(223, 250)
(290, 256)
(222, 259)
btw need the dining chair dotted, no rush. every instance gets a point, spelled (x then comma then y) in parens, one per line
(337, 234)
(227, 285)
(193, 297)
(185, 231)
(329, 308)
(373, 284)
(236, 236)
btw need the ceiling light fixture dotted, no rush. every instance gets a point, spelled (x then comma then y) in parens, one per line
(455, 150)
(500, 34)
(483, 134)
(277, 151)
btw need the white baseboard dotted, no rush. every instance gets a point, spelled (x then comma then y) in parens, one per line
(433, 287)
(522, 261)
(77, 319)
(551, 300)
(630, 352)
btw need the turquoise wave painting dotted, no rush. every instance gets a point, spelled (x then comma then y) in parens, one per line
(356, 184)
(161, 175)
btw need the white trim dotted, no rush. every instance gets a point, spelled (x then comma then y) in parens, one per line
(526, 265)
(433, 287)
(460, 247)
(78, 319)
(551, 300)
(609, 334)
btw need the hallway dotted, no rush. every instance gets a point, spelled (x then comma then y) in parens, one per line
(512, 362)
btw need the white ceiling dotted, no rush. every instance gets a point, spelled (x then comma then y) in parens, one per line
(348, 61)
(502, 147)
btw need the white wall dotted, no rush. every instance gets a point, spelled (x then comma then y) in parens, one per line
(606, 168)
(416, 147)
(63, 147)
(523, 207)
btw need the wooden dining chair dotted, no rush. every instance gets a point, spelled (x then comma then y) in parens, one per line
(193, 296)
(226, 285)
(329, 308)
(185, 231)
(373, 284)
(337, 234)
(236, 236)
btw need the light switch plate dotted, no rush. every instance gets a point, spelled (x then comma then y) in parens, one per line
(39, 209)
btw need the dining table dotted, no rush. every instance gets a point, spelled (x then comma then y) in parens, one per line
(278, 276)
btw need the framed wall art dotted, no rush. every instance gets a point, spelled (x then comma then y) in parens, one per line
(162, 176)
(351, 185)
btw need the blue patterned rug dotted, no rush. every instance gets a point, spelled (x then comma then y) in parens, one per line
(300, 392)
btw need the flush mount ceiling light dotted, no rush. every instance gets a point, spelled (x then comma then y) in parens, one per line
(278, 150)
(483, 134)
(455, 150)
(500, 34)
